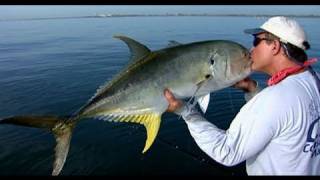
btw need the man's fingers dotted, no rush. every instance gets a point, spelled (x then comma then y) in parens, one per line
(174, 104)
(169, 95)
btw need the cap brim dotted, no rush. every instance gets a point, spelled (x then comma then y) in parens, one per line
(254, 31)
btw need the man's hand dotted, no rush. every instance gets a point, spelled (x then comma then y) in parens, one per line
(174, 103)
(247, 85)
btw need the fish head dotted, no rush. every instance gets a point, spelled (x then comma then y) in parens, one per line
(227, 63)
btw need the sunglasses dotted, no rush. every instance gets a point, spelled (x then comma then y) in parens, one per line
(257, 41)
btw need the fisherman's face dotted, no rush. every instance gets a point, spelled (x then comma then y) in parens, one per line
(261, 53)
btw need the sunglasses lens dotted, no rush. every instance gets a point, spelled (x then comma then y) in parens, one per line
(256, 41)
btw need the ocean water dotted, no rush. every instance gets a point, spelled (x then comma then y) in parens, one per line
(54, 66)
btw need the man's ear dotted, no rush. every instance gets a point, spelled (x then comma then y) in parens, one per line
(276, 47)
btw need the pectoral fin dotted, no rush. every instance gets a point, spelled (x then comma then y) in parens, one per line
(150, 121)
(203, 102)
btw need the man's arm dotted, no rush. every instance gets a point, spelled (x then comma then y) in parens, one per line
(246, 136)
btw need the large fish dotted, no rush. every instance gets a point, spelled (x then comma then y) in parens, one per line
(136, 94)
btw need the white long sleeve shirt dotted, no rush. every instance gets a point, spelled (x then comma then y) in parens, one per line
(277, 131)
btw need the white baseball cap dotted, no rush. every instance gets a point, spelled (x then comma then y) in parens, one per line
(287, 29)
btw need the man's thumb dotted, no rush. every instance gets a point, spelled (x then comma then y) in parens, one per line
(169, 95)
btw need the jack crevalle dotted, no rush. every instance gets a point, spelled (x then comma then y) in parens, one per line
(136, 94)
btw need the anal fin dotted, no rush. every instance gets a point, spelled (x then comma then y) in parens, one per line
(151, 122)
(152, 125)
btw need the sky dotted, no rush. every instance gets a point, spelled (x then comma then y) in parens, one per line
(44, 11)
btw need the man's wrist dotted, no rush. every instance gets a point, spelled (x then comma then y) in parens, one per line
(181, 109)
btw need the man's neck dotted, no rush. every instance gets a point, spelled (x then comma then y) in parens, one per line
(281, 64)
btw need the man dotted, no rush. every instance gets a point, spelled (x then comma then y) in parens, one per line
(277, 131)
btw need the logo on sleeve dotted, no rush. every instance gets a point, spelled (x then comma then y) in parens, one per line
(313, 138)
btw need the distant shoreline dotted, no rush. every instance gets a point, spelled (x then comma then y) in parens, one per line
(108, 15)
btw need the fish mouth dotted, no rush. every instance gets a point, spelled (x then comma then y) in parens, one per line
(247, 55)
(250, 61)
(250, 64)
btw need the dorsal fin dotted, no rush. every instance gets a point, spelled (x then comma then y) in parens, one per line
(137, 49)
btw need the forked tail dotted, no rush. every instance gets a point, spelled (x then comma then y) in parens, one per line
(61, 129)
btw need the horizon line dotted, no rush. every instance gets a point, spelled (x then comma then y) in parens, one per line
(111, 15)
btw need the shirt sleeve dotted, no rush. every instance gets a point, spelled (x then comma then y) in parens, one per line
(247, 135)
